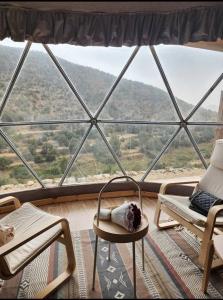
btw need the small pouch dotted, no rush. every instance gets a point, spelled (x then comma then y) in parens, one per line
(7, 233)
(202, 201)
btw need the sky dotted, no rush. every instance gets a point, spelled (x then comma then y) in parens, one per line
(190, 71)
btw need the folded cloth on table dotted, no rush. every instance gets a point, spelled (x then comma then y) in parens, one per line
(105, 214)
(127, 215)
(7, 233)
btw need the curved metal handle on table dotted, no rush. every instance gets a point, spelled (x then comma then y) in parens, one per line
(104, 187)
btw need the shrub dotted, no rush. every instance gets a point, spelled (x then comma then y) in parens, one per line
(38, 159)
(2, 145)
(4, 181)
(48, 152)
(62, 163)
(20, 173)
(116, 144)
(4, 163)
(101, 154)
(51, 171)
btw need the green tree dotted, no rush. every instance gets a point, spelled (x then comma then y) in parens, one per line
(4, 163)
(101, 154)
(116, 144)
(73, 144)
(38, 158)
(62, 163)
(20, 173)
(32, 146)
(48, 152)
(2, 145)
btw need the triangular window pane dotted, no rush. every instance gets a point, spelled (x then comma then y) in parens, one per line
(141, 94)
(179, 160)
(212, 108)
(14, 175)
(190, 72)
(92, 70)
(205, 137)
(137, 145)
(48, 148)
(94, 163)
(41, 93)
(10, 53)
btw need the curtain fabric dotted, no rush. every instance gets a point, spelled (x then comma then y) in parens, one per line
(115, 29)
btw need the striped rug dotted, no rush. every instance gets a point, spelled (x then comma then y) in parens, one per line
(171, 270)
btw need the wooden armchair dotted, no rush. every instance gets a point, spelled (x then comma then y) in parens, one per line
(177, 207)
(35, 230)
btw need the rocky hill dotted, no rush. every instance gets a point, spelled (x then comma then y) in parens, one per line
(39, 92)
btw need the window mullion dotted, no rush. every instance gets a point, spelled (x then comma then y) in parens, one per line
(12, 146)
(162, 73)
(15, 76)
(193, 142)
(110, 149)
(67, 79)
(117, 81)
(157, 158)
(74, 157)
(204, 97)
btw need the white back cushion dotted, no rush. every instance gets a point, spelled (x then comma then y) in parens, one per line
(217, 155)
(212, 181)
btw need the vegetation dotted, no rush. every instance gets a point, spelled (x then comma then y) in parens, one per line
(49, 148)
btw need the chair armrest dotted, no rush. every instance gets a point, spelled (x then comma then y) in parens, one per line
(21, 240)
(165, 185)
(9, 199)
(213, 213)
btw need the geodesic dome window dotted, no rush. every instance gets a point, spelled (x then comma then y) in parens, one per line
(133, 101)
(72, 115)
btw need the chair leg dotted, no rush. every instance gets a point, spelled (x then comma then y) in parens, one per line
(67, 241)
(207, 237)
(164, 225)
(69, 248)
(143, 260)
(157, 213)
(207, 267)
(109, 251)
(95, 259)
(134, 268)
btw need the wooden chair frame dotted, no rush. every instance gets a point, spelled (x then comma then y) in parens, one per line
(63, 237)
(204, 231)
(215, 245)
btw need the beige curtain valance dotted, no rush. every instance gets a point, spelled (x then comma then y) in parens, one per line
(178, 26)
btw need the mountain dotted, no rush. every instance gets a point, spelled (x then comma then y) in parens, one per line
(41, 93)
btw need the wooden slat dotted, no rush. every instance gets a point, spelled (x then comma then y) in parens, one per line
(82, 197)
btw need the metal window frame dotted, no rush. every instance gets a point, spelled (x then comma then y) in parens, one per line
(14, 77)
(25, 163)
(95, 121)
(104, 102)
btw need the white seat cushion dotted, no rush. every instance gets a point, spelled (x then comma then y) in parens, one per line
(24, 220)
(180, 205)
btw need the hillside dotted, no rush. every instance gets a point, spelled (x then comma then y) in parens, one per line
(40, 93)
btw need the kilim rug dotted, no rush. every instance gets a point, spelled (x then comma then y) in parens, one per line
(170, 269)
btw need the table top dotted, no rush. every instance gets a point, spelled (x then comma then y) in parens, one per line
(112, 232)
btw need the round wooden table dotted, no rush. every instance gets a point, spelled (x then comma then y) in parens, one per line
(111, 232)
